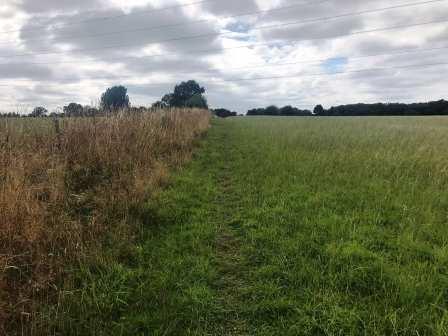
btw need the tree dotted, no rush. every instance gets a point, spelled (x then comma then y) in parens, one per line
(159, 105)
(39, 112)
(115, 98)
(224, 113)
(256, 112)
(197, 101)
(288, 111)
(272, 110)
(186, 94)
(275, 111)
(319, 110)
(73, 110)
(91, 111)
(167, 100)
(184, 91)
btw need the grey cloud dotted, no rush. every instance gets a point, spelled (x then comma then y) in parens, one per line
(373, 45)
(230, 7)
(12, 70)
(45, 6)
(293, 11)
(182, 62)
(313, 31)
(166, 65)
(128, 33)
(401, 82)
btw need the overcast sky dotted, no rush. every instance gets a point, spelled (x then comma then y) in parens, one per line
(303, 52)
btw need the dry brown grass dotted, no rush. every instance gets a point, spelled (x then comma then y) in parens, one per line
(67, 183)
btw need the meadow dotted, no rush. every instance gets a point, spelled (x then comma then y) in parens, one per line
(281, 226)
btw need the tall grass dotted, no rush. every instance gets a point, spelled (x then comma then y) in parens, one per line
(68, 187)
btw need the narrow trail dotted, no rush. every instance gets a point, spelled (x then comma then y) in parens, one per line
(189, 273)
(231, 265)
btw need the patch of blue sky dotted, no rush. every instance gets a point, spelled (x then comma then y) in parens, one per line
(240, 29)
(334, 64)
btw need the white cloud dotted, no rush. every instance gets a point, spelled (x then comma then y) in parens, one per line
(84, 62)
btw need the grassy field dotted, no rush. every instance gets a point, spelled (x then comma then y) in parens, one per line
(278, 226)
(300, 226)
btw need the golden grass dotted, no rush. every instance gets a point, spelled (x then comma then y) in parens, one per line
(66, 184)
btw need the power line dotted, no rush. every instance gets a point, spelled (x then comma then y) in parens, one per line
(186, 23)
(133, 58)
(49, 52)
(338, 72)
(236, 80)
(317, 60)
(154, 10)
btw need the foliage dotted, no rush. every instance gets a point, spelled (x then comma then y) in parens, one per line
(224, 113)
(197, 101)
(186, 94)
(73, 110)
(39, 112)
(275, 111)
(115, 98)
(391, 109)
(318, 110)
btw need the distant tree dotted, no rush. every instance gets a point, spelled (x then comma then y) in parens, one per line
(185, 91)
(288, 111)
(197, 101)
(140, 109)
(167, 100)
(159, 105)
(39, 112)
(390, 109)
(73, 110)
(10, 115)
(275, 111)
(294, 111)
(272, 110)
(224, 113)
(115, 98)
(256, 112)
(186, 94)
(89, 111)
(319, 110)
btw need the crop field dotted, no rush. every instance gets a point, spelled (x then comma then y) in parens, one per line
(281, 226)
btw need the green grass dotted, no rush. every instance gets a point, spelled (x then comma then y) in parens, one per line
(286, 226)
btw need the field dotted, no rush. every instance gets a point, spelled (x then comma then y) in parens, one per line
(283, 226)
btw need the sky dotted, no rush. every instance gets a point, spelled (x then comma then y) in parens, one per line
(246, 53)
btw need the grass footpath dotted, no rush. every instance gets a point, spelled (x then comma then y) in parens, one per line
(289, 226)
(181, 278)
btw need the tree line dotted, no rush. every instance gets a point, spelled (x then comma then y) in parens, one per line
(279, 111)
(192, 95)
(186, 94)
(439, 107)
